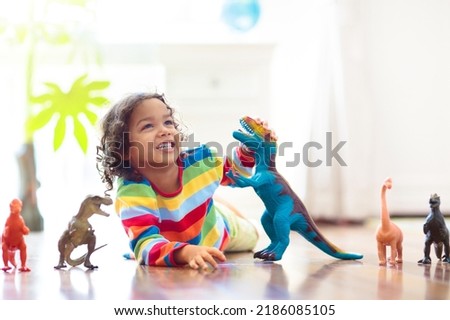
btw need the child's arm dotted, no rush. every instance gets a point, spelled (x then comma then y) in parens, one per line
(153, 249)
(137, 208)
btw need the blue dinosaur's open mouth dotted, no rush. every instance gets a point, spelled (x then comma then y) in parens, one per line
(246, 127)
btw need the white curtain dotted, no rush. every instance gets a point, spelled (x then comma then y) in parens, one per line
(326, 86)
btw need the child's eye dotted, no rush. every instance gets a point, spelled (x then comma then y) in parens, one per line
(169, 123)
(147, 126)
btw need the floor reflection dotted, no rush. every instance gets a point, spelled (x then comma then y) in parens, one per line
(314, 281)
(390, 282)
(437, 288)
(16, 285)
(278, 286)
(232, 280)
(76, 283)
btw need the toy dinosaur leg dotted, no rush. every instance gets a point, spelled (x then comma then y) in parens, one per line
(446, 257)
(282, 230)
(394, 252)
(426, 259)
(90, 249)
(23, 258)
(278, 231)
(62, 251)
(267, 223)
(381, 254)
(5, 255)
(399, 252)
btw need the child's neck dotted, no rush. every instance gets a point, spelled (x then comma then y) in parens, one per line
(166, 180)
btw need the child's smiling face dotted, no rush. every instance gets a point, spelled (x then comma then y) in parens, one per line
(153, 136)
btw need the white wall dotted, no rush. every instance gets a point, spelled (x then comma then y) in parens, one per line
(391, 84)
(408, 77)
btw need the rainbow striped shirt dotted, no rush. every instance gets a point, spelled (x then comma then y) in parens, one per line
(159, 224)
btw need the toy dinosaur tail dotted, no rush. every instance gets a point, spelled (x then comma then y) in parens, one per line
(80, 260)
(309, 230)
(438, 249)
(12, 258)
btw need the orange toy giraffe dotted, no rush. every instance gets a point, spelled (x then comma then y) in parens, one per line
(13, 237)
(388, 233)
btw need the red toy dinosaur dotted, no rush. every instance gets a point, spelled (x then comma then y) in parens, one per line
(13, 237)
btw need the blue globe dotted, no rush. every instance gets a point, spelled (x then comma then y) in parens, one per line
(241, 15)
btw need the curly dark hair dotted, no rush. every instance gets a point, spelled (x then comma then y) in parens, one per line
(114, 143)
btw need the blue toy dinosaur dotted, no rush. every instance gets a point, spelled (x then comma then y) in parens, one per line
(284, 209)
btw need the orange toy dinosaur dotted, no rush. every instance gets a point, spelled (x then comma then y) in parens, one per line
(388, 233)
(13, 237)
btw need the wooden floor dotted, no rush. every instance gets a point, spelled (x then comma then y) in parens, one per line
(303, 273)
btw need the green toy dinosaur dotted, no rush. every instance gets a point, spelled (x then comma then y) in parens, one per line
(284, 209)
(79, 232)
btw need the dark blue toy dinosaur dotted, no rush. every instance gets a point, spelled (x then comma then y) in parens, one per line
(436, 233)
(284, 209)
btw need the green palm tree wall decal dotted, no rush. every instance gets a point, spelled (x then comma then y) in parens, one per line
(65, 105)
(34, 33)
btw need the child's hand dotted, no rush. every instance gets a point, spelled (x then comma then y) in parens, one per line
(265, 124)
(198, 257)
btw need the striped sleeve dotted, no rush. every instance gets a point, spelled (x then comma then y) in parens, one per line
(136, 206)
